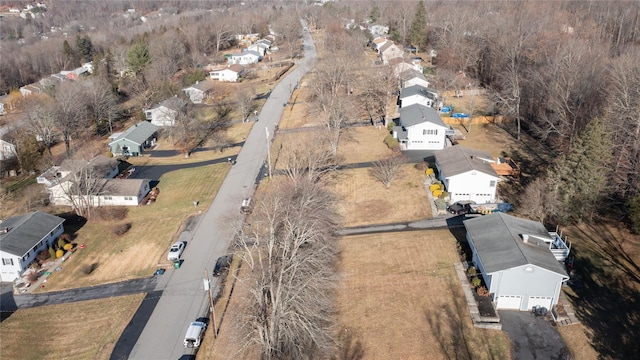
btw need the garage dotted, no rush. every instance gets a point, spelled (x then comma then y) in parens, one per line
(509, 302)
(539, 301)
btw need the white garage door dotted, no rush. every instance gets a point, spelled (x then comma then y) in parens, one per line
(509, 302)
(540, 301)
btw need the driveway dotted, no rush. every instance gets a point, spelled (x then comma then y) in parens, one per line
(531, 337)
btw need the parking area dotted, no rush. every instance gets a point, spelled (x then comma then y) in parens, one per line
(531, 337)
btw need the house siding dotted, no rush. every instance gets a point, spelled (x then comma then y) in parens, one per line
(118, 148)
(418, 140)
(516, 281)
(472, 185)
(10, 272)
(161, 116)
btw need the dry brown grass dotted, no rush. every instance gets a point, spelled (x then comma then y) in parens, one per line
(399, 298)
(366, 201)
(81, 330)
(364, 144)
(576, 337)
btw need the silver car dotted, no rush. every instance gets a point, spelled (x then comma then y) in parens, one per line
(176, 251)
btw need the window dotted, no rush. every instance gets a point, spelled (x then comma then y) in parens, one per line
(430, 132)
(492, 183)
(128, 198)
(7, 261)
(107, 198)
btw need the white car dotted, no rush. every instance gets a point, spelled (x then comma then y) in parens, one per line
(176, 251)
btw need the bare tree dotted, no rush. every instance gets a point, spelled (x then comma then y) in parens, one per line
(380, 86)
(188, 132)
(41, 121)
(101, 102)
(310, 163)
(386, 170)
(539, 201)
(290, 252)
(245, 103)
(70, 112)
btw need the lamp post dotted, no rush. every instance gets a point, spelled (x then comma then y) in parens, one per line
(266, 129)
(212, 313)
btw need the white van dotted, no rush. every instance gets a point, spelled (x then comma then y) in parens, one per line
(195, 333)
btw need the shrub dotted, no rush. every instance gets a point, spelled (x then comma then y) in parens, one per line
(52, 253)
(482, 291)
(476, 282)
(109, 213)
(44, 255)
(421, 166)
(66, 237)
(61, 243)
(59, 253)
(472, 271)
(67, 247)
(32, 277)
(391, 142)
(121, 229)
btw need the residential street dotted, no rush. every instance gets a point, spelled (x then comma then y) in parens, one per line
(183, 298)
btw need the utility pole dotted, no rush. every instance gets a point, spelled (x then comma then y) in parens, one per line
(266, 129)
(212, 314)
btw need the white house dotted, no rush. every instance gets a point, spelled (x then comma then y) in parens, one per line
(121, 192)
(514, 257)
(417, 94)
(22, 237)
(244, 58)
(199, 91)
(4, 99)
(420, 128)
(378, 30)
(7, 150)
(258, 47)
(231, 73)
(389, 51)
(165, 113)
(412, 77)
(467, 174)
(379, 42)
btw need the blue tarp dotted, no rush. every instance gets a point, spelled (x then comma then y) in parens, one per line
(459, 115)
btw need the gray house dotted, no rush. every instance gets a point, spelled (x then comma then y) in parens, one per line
(22, 237)
(516, 259)
(135, 140)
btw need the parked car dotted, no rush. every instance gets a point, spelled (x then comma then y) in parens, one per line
(460, 208)
(194, 335)
(175, 252)
(246, 207)
(222, 264)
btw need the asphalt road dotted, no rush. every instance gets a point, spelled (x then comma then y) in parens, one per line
(183, 297)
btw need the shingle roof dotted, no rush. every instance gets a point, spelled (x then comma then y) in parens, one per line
(386, 46)
(27, 230)
(499, 244)
(122, 187)
(418, 90)
(417, 113)
(173, 103)
(458, 159)
(410, 74)
(237, 68)
(138, 133)
(204, 85)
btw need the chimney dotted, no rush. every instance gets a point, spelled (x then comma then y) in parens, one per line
(525, 238)
(5, 230)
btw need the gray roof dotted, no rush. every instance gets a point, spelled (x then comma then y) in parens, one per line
(417, 113)
(25, 231)
(410, 74)
(122, 187)
(419, 90)
(204, 85)
(401, 132)
(499, 244)
(173, 103)
(458, 159)
(138, 133)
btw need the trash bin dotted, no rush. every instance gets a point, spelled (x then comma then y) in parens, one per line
(176, 264)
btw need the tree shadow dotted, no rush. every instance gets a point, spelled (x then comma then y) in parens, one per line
(606, 284)
(349, 347)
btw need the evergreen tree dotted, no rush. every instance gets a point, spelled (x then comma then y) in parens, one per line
(418, 31)
(84, 46)
(67, 50)
(374, 15)
(580, 177)
(138, 57)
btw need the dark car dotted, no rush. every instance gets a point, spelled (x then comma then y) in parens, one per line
(460, 209)
(222, 264)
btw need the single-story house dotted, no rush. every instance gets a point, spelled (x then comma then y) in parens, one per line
(378, 43)
(7, 150)
(199, 91)
(412, 77)
(244, 58)
(420, 128)
(135, 140)
(265, 42)
(417, 94)
(231, 73)
(389, 51)
(258, 47)
(22, 237)
(121, 192)
(467, 174)
(378, 30)
(35, 88)
(166, 112)
(515, 260)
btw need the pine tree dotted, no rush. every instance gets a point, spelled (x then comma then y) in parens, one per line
(67, 50)
(418, 31)
(374, 15)
(580, 177)
(138, 57)
(84, 46)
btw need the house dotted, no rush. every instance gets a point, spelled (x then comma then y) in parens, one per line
(121, 192)
(231, 73)
(417, 94)
(166, 112)
(420, 128)
(4, 99)
(515, 260)
(389, 51)
(467, 174)
(378, 30)
(378, 43)
(134, 140)
(244, 58)
(401, 65)
(258, 47)
(412, 77)
(199, 91)
(7, 150)
(265, 42)
(35, 88)
(22, 237)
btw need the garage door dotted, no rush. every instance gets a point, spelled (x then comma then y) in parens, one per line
(540, 301)
(509, 302)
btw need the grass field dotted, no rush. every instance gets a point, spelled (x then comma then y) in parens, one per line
(47, 333)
